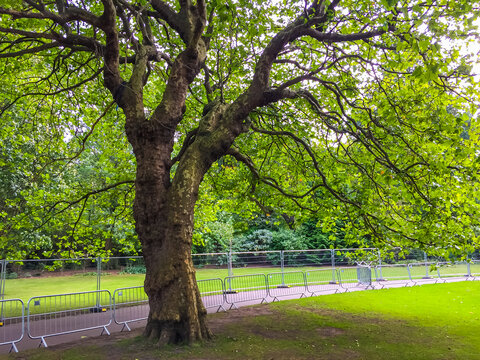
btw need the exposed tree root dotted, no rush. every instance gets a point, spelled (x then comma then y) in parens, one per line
(165, 333)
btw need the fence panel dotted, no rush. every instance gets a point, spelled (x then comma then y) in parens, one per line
(52, 315)
(12, 327)
(322, 280)
(302, 258)
(212, 292)
(256, 259)
(425, 272)
(245, 288)
(210, 260)
(17, 269)
(350, 257)
(130, 304)
(132, 268)
(286, 284)
(392, 275)
(475, 268)
(459, 270)
(355, 277)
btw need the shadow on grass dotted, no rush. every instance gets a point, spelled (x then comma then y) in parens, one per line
(287, 331)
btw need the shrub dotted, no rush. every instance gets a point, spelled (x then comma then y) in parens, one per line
(11, 275)
(134, 269)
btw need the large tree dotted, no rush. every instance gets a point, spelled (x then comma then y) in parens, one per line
(353, 107)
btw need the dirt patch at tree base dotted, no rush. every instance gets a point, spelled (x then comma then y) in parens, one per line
(234, 328)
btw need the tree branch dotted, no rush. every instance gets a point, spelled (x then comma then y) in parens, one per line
(335, 37)
(112, 79)
(316, 166)
(166, 13)
(189, 138)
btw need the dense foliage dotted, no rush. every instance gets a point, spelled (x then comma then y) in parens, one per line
(406, 163)
(267, 233)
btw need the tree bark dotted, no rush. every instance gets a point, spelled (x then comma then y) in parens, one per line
(164, 223)
(164, 216)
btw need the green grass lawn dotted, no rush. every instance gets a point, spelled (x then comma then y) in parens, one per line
(429, 322)
(439, 321)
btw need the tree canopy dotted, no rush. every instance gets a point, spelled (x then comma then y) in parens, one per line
(359, 112)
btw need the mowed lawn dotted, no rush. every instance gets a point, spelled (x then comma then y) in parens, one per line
(439, 321)
(26, 288)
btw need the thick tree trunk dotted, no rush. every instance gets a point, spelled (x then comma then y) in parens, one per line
(164, 217)
(176, 313)
(163, 213)
(176, 310)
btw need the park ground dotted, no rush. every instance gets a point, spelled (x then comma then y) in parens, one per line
(427, 322)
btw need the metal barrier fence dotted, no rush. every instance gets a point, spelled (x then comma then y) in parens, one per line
(454, 269)
(12, 326)
(295, 258)
(228, 264)
(256, 259)
(245, 288)
(394, 275)
(355, 277)
(130, 304)
(212, 260)
(212, 292)
(53, 315)
(323, 280)
(286, 284)
(475, 268)
(424, 272)
(364, 275)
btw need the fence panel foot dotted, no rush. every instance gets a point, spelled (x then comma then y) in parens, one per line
(105, 330)
(125, 325)
(14, 348)
(43, 342)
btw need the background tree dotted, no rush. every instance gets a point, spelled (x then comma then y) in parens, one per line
(342, 107)
(54, 189)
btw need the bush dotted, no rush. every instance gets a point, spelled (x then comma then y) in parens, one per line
(286, 239)
(134, 269)
(11, 275)
(259, 240)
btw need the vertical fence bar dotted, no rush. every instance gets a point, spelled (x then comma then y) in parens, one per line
(332, 254)
(230, 272)
(380, 278)
(425, 258)
(4, 276)
(99, 275)
(2, 279)
(469, 272)
(282, 266)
